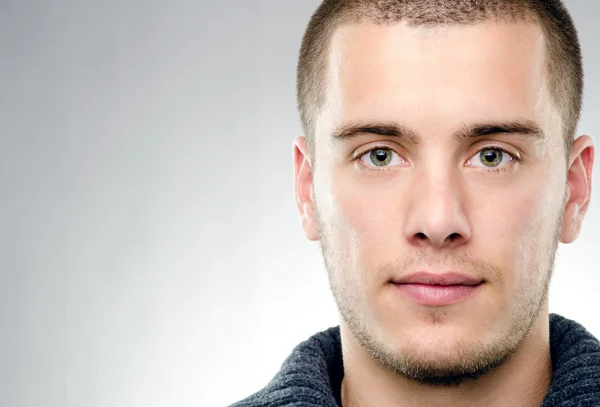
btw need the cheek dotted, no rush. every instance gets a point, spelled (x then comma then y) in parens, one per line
(361, 220)
(516, 228)
(372, 210)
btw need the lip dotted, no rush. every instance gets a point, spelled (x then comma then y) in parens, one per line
(437, 289)
(450, 278)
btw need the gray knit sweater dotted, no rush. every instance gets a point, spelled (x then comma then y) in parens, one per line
(312, 375)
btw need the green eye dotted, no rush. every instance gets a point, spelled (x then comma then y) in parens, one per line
(381, 156)
(491, 157)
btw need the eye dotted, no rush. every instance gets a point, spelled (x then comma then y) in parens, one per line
(381, 157)
(492, 157)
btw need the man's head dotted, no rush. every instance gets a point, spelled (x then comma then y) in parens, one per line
(436, 144)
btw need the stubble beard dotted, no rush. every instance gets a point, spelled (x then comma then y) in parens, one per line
(471, 360)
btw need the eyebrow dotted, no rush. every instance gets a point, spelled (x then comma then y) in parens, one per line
(525, 127)
(348, 131)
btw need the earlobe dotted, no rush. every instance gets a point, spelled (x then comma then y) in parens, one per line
(303, 180)
(309, 223)
(579, 188)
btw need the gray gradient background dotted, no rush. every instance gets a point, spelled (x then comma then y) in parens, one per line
(151, 250)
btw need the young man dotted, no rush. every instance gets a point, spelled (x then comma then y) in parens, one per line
(439, 170)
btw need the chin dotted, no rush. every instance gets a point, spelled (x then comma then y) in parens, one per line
(437, 340)
(442, 359)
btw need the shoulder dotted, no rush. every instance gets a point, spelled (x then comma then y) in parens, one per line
(575, 363)
(307, 377)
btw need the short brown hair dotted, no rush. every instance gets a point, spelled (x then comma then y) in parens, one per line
(564, 66)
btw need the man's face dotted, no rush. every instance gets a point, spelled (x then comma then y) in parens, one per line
(486, 204)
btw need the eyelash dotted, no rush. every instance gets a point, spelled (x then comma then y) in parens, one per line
(515, 159)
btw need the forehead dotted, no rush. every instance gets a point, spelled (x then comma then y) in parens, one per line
(435, 79)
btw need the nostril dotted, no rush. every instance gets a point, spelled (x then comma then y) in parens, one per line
(421, 236)
(454, 236)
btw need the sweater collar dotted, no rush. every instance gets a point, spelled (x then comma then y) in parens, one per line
(313, 373)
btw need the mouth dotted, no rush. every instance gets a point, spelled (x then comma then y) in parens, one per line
(437, 289)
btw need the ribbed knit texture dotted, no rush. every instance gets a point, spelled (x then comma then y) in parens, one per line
(312, 375)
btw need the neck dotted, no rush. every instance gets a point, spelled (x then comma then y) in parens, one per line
(521, 381)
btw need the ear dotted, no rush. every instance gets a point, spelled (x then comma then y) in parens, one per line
(303, 178)
(579, 188)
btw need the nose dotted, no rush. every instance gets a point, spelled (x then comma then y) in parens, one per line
(436, 214)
